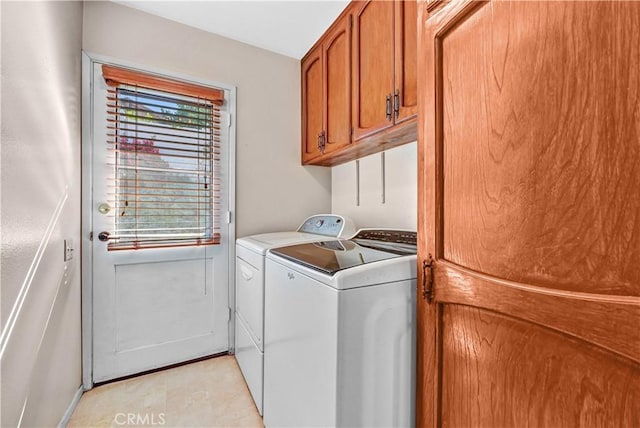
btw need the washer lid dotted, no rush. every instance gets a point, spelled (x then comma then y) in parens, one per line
(330, 257)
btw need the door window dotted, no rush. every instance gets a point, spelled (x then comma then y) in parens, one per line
(164, 145)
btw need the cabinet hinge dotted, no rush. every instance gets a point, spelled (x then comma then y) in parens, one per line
(350, 21)
(427, 279)
(230, 312)
(352, 131)
(228, 217)
(90, 236)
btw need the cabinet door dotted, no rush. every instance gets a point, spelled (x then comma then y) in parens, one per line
(373, 67)
(337, 85)
(312, 104)
(406, 54)
(530, 208)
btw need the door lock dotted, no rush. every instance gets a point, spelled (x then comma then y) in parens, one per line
(104, 208)
(103, 236)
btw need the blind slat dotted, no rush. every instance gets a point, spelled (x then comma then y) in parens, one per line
(155, 123)
(189, 188)
(191, 142)
(141, 227)
(163, 195)
(142, 118)
(153, 169)
(142, 133)
(115, 93)
(131, 155)
(130, 102)
(148, 116)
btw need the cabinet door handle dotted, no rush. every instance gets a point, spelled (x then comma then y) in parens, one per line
(396, 103)
(322, 141)
(388, 108)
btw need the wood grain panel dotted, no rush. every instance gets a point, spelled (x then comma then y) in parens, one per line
(312, 104)
(541, 125)
(406, 58)
(337, 62)
(529, 203)
(544, 378)
(373, 66)
(602, 320)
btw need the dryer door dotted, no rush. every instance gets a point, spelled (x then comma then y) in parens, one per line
(250, 297)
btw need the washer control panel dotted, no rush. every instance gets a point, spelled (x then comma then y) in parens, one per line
(332, 225)
(405, 237)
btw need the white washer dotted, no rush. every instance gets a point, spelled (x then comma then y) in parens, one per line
(340, 332)
(250, 254)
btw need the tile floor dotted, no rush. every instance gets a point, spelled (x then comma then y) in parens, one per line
(209, 393)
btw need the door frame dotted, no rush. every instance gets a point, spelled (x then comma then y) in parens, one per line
(88, 61)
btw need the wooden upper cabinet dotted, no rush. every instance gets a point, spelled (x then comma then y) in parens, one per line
(326, 93)
(406, 55)
(385, 69)
(368, 100)
(312, 104)
(529, 215)
(336, 49)
(373, 67)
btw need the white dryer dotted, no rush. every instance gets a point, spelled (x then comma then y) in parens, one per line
(249, 308)
(340, 332)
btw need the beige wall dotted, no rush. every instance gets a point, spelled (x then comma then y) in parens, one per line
(401, 189)
(273, 191)
(40, 176)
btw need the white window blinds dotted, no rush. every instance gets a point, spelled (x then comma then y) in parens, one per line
(164, 136)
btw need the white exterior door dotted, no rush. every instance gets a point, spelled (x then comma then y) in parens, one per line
(152, 307)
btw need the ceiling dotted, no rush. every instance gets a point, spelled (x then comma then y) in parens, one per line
(287, 27)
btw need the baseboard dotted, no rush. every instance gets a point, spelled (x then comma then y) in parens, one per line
(72, 406)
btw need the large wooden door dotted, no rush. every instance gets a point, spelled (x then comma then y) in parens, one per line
(530, 210)
(337, 87)
(373, 67)
(312, 104)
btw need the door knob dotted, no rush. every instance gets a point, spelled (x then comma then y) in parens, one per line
(103, 236)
